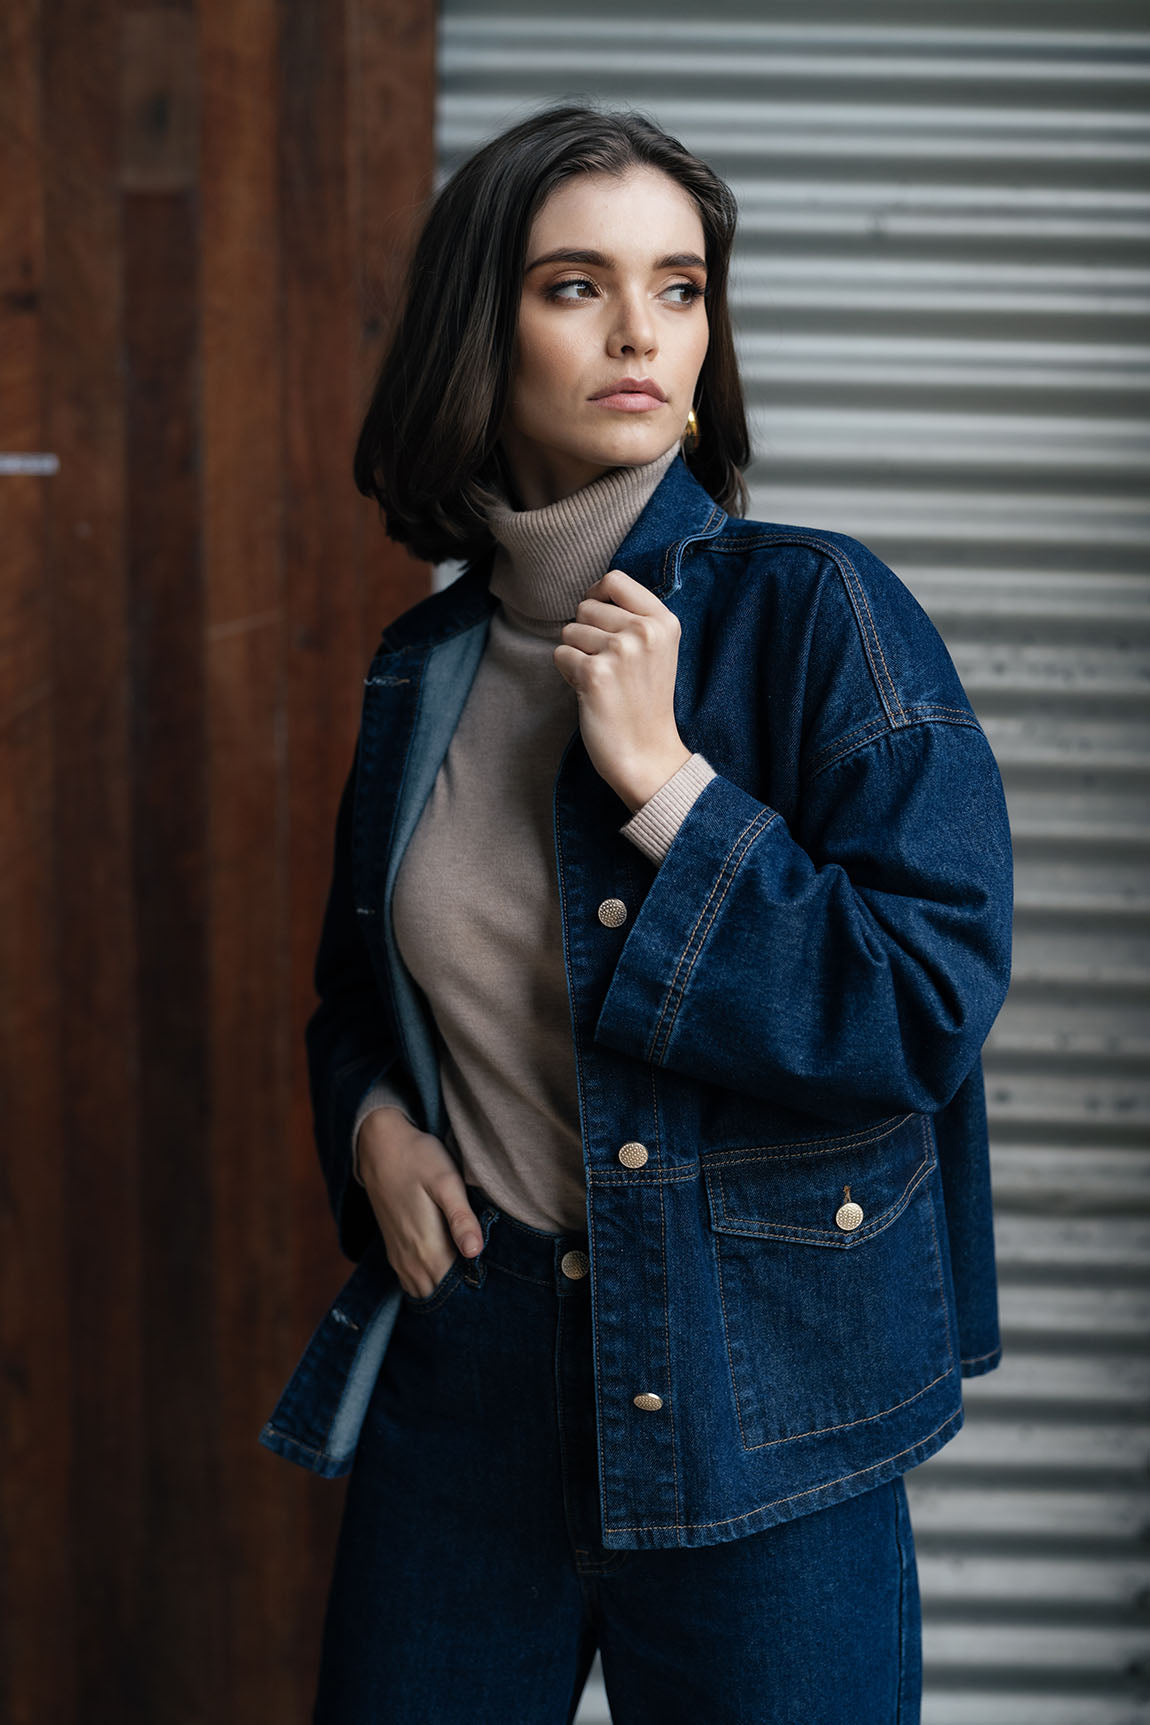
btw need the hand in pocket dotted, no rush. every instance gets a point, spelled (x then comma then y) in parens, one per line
(419, 1199)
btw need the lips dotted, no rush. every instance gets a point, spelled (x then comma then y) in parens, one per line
(641, 386)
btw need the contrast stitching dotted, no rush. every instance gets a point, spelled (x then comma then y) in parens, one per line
(307, 1448)
(750, 1227)
(865, 732)
(845, 1425)
(874, 733)
(729, 1520)
(666, 1256)
(849, 574)
(976, 1359)
(877, 640)
(769, 1152)
(759, 824)
(691, 935)
(820, 1431)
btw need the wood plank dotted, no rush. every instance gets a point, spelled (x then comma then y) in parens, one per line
(97, 1050)
(262, 1504)
(183, 1556)
(319, 346)
(34, 1435)
(392, 165)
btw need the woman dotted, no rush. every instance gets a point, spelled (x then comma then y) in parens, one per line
(671, 909)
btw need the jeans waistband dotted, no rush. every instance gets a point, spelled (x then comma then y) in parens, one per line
(560, 1261)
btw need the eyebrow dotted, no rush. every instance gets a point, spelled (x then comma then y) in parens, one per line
(564, 255)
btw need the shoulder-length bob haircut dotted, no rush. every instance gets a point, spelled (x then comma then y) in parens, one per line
(428, 450)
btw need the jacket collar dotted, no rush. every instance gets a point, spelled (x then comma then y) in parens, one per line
(677, 513)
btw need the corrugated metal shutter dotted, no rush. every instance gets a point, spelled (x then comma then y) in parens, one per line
(942, 294)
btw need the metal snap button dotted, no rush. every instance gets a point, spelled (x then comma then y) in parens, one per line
(574, 1264)
(612, 912)
(633, 1155)
(648, 1401)
(849, 1214)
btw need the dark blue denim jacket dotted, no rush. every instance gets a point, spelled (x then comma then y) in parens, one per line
(794, 1006)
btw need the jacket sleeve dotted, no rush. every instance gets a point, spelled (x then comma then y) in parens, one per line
(851, 967)
(350, 1045)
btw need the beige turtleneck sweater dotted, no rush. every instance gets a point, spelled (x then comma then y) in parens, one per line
(476, 906)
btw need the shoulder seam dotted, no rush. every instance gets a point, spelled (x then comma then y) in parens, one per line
(864, 617)
(924, 713)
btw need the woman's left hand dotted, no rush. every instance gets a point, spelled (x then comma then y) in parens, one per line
(620, 656)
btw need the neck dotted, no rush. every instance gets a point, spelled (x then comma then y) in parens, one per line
(541, 481)
(550, 554)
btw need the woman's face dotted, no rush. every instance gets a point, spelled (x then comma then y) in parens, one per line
(612, 291)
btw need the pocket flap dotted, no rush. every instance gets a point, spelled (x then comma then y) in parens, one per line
(838, 1191)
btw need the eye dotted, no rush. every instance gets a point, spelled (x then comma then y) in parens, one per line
(555, 291)
(691, 289)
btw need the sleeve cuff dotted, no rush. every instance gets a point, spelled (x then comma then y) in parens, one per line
(381, 1095)
(655, 823)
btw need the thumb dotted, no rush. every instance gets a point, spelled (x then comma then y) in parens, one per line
(460, 1217)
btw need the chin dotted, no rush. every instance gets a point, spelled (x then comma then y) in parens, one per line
(632, 451)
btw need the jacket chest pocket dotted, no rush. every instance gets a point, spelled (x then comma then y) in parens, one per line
(834, 1294)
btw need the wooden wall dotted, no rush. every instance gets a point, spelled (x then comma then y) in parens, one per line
(204, 211)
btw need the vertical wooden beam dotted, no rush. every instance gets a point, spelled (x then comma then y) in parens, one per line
(263, 1507)
(183, 1613)
(392, 167)
(35, 1530)
(191, 283)
(96, 1056)
(318, 282)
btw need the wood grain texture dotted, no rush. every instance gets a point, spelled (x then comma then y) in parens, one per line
(254, 1042)
(392, 179)
(186, 611)
(35, 1532)
(94, 1060)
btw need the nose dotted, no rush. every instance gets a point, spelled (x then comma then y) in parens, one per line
(634, 329)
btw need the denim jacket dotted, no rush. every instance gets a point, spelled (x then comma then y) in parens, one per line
(778, 1050)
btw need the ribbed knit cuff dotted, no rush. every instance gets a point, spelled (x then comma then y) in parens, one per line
(655, 823)
(381, 1095)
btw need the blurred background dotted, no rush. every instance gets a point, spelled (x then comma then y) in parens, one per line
(941, 293)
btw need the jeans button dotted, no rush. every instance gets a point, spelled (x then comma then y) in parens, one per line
(574, 1264)
(633, 1155)
(648, 1401)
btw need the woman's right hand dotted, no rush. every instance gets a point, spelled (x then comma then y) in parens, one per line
(419, 1199)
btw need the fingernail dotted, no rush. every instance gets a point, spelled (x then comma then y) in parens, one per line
(472, 1243)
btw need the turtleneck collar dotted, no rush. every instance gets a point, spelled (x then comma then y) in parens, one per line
(549, 557)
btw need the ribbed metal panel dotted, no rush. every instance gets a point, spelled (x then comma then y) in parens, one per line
(942, 290)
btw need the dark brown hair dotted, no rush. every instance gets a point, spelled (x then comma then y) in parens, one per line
(428, 448)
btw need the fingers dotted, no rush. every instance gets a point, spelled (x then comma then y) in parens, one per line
(623, 589)
(423, 1264)
(451, 1196)
(420, 1202)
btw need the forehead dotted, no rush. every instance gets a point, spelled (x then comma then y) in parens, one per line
(629, 214)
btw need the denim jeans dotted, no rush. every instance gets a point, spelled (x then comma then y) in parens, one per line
(470, 1583)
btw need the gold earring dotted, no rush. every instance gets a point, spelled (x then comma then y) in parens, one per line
(690, 438)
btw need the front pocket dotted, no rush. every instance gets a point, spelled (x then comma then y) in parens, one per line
(442, 1288)
(831, 1279)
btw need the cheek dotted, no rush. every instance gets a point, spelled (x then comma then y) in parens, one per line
(547, 364)
(697, 347)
